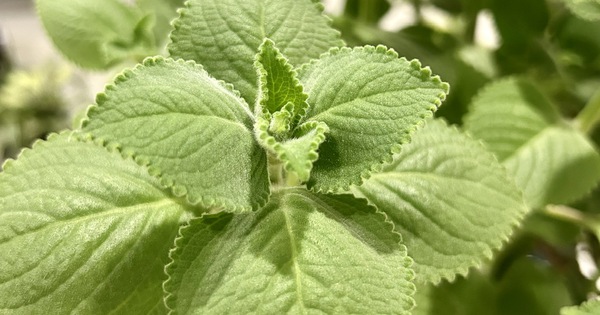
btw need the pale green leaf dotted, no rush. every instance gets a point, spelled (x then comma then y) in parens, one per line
(163, 11)
(304, 253)
(449, 198)
(224, 35)
(550, 161)
(97, 34)
(297, 153)
(278, 83)
(372, 101)
(591, 307)
(194, 132)
(585, 9)
(82, 231)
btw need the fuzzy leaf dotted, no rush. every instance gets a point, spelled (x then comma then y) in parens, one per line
(302, 253)
(449, 198)
(372, 102)
(82, 231)
(551, 162)
(97, 34)
(591, 307)
(224, 35)
(278, 83)
(297, 153)
(194, 132)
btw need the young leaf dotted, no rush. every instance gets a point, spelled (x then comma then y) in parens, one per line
(224, 35)
(449, 198)
(551, 162)
(278, 83)
(297, 153)
(372, 102)
(590, 307)
(97, 34)
(302, 253)
(194, 131)
(82, 231)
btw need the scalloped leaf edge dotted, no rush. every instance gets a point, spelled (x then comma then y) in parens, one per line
(207, 203)
(360, 202)
(395, 148)
(513, 226)
(298, 112)
(275, 147)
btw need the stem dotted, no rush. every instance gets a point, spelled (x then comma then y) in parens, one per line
(569, 214)
(589, 116)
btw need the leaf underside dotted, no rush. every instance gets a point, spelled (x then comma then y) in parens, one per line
(224, 36)
(449, 198)
(550, 161)
(82, 230)
(302, 253)
(371, 101)
(193, 131)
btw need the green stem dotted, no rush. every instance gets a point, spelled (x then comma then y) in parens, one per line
(569, 214)
(589, 116)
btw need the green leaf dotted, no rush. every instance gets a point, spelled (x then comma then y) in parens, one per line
(97, 34)
(372, 101)
(163, 11)
(302, 253)
(278, 83)
(82, 231)
(551, 162)
(195, 132)
(457, 297)
(585, 9)
(224, 35)
(297, 153)
(590, 307)
(449, 198)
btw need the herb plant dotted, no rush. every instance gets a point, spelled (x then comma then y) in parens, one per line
(264, 167)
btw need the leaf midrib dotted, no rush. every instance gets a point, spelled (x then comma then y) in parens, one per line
(528, 143)
(294, 259)
(115, 211)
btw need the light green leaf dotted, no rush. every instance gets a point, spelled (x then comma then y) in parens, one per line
(82, 231)
(372, 102)
(449, 198)
(97, 34)
(585, 9)
(591, 307)
(551, 162)
(163, 11)
(195, 133)
(297, 153)
(278, 83)
(303, 253)
(224, 35)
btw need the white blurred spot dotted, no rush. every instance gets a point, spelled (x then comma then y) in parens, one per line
(585, 260)
(486, 34)
(334, 7)
(400, 15)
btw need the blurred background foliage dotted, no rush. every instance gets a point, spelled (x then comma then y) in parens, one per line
(551, 261)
